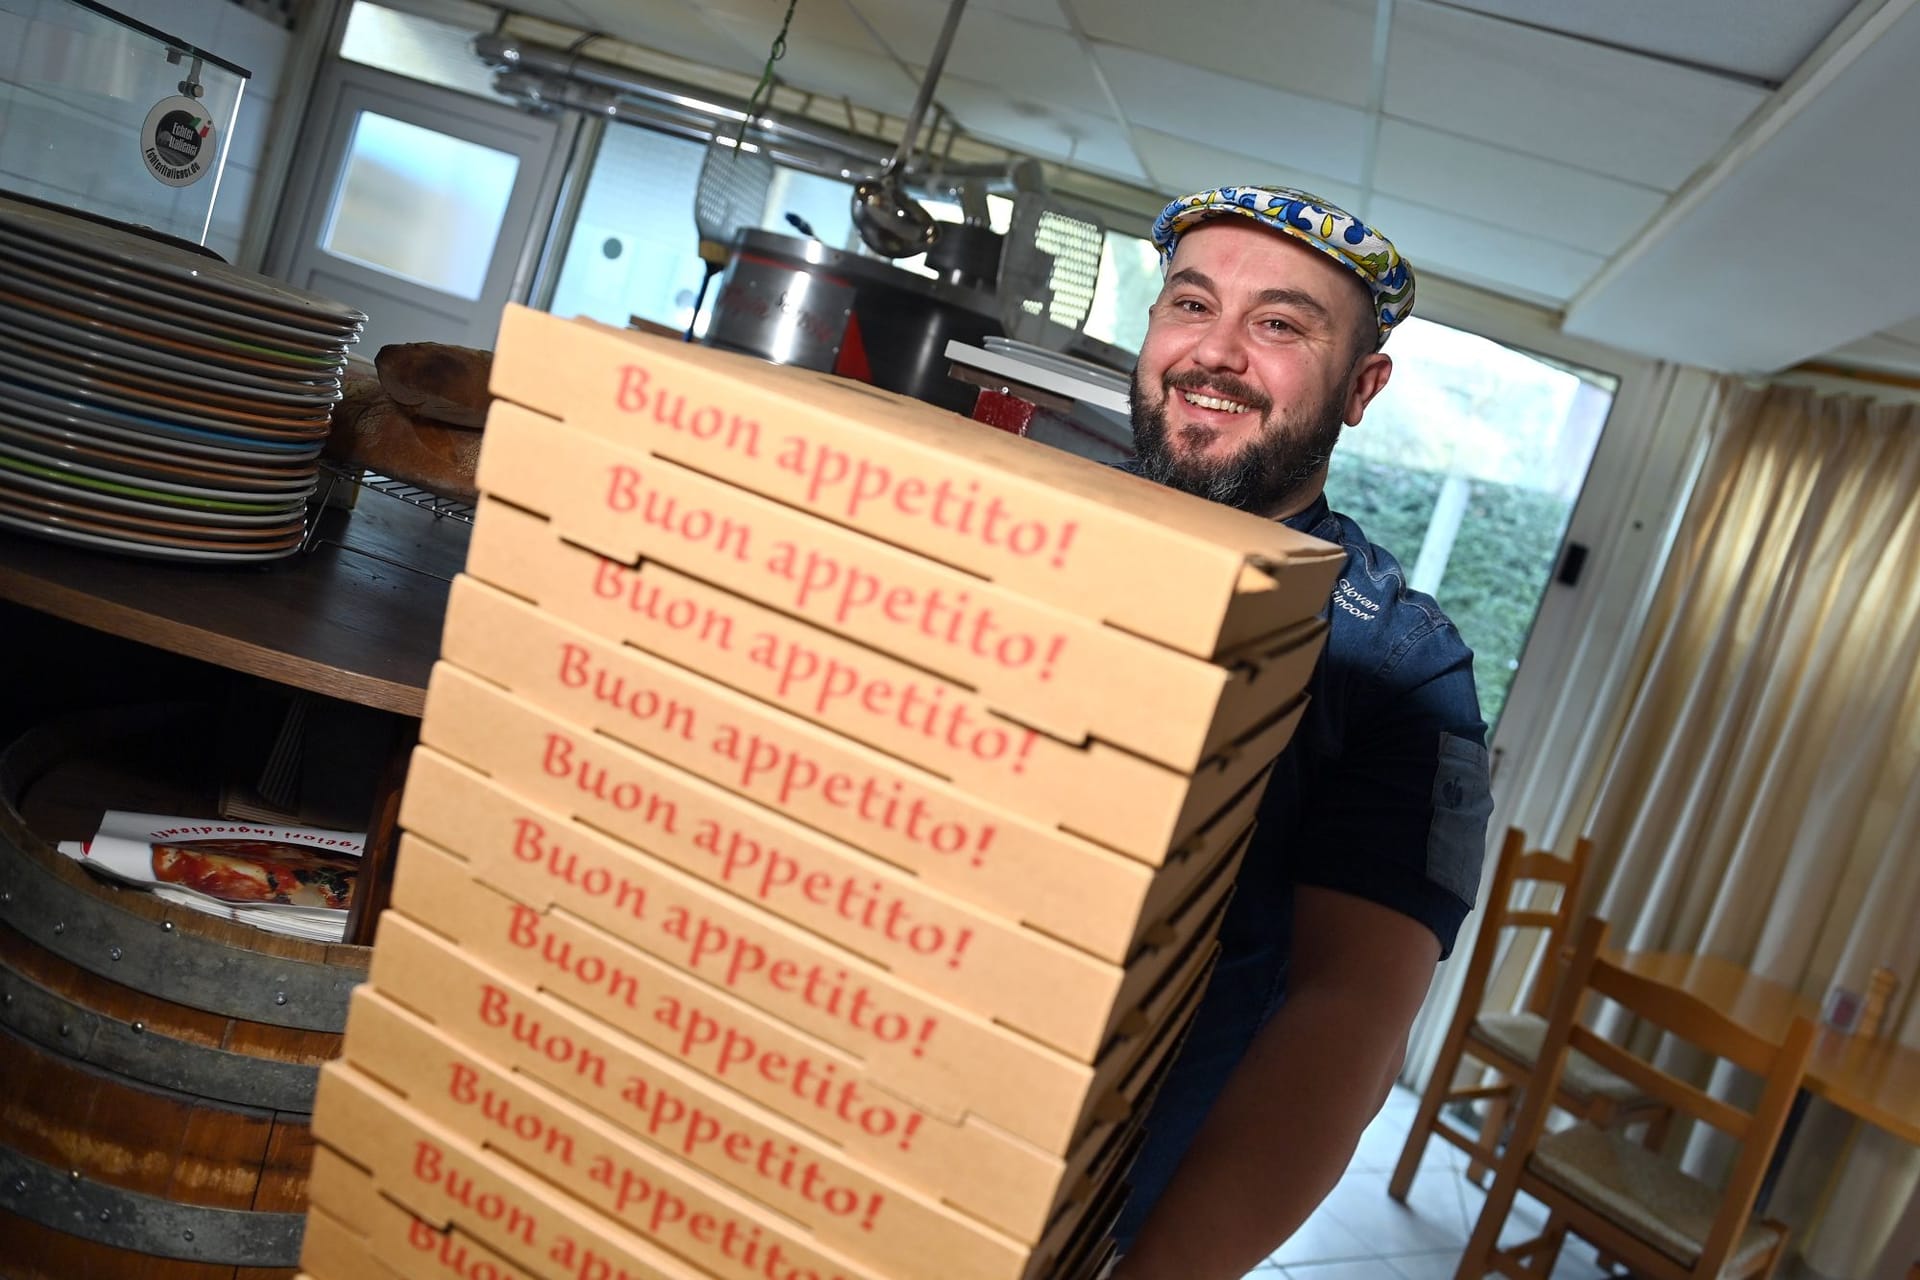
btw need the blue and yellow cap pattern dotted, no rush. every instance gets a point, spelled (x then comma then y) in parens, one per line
(1312, 221)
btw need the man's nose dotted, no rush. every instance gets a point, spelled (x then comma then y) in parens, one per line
(1221, 346)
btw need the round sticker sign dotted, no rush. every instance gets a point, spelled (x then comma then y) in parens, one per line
(178, 141)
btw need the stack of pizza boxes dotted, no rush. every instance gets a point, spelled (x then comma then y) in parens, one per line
(824, 810)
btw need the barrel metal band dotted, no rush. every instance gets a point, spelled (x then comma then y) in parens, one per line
(139, 1053)
(173, 964)
(141, 1223)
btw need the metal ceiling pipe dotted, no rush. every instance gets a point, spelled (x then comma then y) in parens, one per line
(546, 72)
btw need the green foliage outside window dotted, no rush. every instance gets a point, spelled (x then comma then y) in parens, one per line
(1500, 562)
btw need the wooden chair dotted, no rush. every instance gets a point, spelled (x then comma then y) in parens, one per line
(1630, 1203)
(1509, 1043)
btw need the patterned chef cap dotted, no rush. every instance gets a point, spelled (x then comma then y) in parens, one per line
(1310, 220)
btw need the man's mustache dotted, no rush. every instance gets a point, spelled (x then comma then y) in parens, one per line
(1225, 386)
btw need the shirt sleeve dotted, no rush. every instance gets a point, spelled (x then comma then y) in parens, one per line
(1400, 817)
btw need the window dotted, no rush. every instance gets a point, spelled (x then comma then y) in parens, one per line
(419, 204)
(1467, 469)
(1129, 282)
(416, 47)
(634, 250)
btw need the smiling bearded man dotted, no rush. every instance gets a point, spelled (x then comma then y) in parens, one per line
(1263, 345)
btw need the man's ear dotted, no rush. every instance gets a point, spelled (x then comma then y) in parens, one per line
(1368, 380)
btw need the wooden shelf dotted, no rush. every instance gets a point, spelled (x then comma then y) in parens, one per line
(358, 618)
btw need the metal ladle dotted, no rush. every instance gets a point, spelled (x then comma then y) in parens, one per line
(893, 224)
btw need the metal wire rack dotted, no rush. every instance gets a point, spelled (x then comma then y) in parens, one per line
(333, 476)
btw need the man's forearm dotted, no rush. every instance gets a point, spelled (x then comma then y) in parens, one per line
(1274, 1144)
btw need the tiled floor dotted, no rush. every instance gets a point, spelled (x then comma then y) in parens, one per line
(1361, 1234)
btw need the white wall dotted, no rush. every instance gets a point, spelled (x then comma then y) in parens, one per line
(70, 110)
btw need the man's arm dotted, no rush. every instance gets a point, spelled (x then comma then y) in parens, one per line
(1284, 1128)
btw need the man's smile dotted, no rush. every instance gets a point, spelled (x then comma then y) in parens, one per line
(1215, 403)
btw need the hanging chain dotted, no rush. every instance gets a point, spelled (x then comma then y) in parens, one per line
(763, 91)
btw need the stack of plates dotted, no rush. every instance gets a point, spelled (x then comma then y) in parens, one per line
(154, 401)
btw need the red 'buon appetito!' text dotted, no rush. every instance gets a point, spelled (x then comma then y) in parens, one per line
(680, 1124)
(822, 685)
(848, 486)
(782, 770)
(815, 583)
(741, 1244)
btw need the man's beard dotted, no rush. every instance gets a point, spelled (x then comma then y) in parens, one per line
(1267, 473)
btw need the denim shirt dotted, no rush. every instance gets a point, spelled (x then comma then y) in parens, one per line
(1384, 793)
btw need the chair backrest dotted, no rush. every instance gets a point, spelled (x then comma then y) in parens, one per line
(1781, 1065)
(1517, 878)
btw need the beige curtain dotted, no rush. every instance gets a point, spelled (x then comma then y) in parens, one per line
(1762, 800)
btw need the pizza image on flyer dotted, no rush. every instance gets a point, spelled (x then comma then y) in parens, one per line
(257, 871)
(245, 864)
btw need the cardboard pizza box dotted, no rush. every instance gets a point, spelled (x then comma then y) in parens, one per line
(1060, 884)
(1086, 788)
(942, 1176)
(333, 1250)
(355, 1233)
(446, 1179)
(664, 1199)
(1059, 672)
(533, 1197)
(892, 1233)
(545, 772)
(937, 1177)
(1090, 539)
(836, 1020)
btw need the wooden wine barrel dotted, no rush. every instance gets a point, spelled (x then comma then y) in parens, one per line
(157, 1066)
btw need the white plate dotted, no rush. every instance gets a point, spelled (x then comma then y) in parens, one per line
(32, 326)
(149, 465)
(62, 377)
(166, 262)
(194, 497)
(141, 300)
(1071, 366)
(150, 550)
(219, 340)
(83, 329)
(31, 506)
(77, 389)
(115, 502)
(187, 440)
(260, 439)
(250, 466)
(52, 257)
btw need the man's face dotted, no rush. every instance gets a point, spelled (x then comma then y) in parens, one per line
(1258, 349)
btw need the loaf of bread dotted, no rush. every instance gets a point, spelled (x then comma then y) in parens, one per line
(437, 382)
(372, 433)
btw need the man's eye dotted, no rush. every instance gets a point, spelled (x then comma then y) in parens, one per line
(1277, 326)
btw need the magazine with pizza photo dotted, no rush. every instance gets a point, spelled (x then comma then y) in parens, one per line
(295, 879)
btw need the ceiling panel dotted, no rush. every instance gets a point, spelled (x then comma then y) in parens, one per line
(1047, 12)
(754, 23)
(1797, 249)
(1319, 48)
(1178, 166)
(560, 11)
(1882, 351)
(1035, 63)
(1767, 39)
(1460, 248)
(1097, 142)
(1269, 124)
(1505, 188)
(870, 79)
(670, 26)
(1552, 96)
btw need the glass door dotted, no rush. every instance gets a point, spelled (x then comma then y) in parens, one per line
(1467, 469)
(419, 205)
